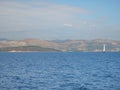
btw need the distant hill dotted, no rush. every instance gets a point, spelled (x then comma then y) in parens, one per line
(60, 45)
(26, 48)
(3, 39)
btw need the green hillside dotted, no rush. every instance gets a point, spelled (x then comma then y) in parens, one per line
(27, 48)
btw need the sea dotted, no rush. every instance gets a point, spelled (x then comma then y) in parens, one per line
(59, 70)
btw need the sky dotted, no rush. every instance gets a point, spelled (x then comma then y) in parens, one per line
(60, 19)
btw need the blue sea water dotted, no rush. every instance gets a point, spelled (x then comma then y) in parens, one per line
(59, 71)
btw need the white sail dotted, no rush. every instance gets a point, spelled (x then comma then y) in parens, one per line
(104, 48)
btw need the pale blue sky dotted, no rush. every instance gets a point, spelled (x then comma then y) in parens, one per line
(60, 19)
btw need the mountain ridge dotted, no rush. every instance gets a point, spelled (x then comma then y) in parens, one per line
(95, 45)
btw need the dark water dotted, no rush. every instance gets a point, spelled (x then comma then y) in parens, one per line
(59, 71)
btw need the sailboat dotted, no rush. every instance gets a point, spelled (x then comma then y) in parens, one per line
(104, 48)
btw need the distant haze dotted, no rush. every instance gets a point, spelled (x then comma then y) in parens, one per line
(60, 19)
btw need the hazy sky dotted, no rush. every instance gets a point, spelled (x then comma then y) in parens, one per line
(60, 19)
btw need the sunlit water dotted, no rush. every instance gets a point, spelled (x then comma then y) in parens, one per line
(59, 71)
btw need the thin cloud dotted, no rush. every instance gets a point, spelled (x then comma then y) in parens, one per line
(18, 15)
(68, 25)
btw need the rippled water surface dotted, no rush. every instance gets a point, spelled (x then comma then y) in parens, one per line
(59, 71)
